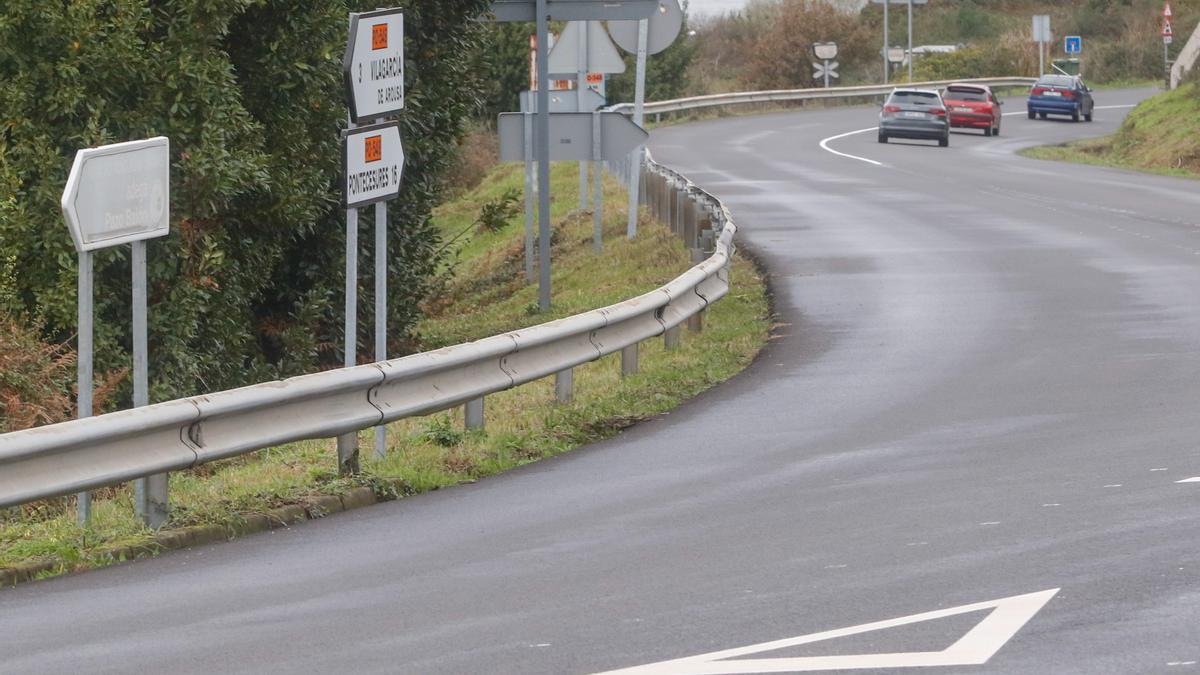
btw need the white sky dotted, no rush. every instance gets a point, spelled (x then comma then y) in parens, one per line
(715, 6)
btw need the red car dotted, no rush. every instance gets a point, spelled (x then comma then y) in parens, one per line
(973, 106)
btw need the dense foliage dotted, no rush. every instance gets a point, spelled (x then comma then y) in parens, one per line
(249, 284)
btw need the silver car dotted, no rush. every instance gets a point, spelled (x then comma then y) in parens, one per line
(915, 113)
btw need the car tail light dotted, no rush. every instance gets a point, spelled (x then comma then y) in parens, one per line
(1068, 94)
(1038, 91)
(940, 112)
(891, 108)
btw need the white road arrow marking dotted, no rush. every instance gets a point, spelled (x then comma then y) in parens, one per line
(980, 643)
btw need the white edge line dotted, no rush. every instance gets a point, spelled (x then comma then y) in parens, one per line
(825, 146)
(1189, 480)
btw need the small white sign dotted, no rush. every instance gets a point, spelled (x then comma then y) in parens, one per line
(119, 193)
(373, 68)
(372, 163)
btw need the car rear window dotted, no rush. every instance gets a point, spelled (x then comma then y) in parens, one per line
(956, 94)
(1056, 81)
(915, 97)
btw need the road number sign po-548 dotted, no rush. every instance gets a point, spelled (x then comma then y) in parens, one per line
(373, 163)
(373, 67)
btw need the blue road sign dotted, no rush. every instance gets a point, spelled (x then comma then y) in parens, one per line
(1073, 44)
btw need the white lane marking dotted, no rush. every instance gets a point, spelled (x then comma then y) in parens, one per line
(1189, 480)
(1099, 107)
(825, 146)
(1114, 485)
(1008, 616)
(1048, 505)
(1161, 469)
(991, 522)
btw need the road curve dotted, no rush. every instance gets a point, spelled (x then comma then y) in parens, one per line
(983, 387)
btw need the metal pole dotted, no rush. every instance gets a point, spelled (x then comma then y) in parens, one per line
(150, 494)
(886, 65)
(580, 85)
(826, 73)
(597, 204)
(381, 308)
(910, 56)
(348, 443)
(542, 146)
(1041, 58)
(83, 503)
(639, 118)
(1167, 63)
(529, 197)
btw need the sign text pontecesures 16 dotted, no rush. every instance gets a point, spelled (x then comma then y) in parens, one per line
(373, 163)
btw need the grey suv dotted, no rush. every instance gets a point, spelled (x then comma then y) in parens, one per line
(915, 113)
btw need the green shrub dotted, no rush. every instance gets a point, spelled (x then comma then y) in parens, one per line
(248, 284)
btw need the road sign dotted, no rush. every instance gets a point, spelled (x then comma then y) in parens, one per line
(574, 10)
(119, 193)
(564, 101)
(571, 137)
(373, 67)
(372, 164)
(825, 70)
(602, 54)
(1041, 28)
(1168, 31)
(895, 54)
(1167, 10)
(1072, 44)
(826, 51)
(976, 647)
(664, 27)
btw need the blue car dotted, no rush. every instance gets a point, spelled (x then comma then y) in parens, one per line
(1061, 95)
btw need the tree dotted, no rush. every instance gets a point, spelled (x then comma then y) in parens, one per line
(248, 284)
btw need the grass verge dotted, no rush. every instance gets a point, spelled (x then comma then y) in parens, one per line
(483, 294)
(1161, 136)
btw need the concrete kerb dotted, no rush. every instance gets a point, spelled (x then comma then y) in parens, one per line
(312, 508)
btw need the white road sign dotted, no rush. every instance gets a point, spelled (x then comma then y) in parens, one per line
(372, 163)
(1041, 28)
(571, 138)
(664, 27)
(373, 68)
(976, 647)
(119, 193)
(602, 54)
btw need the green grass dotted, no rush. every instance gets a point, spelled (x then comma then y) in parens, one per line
(1161, 136)
(485, 295)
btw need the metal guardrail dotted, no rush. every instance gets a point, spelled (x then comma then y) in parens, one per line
(781, 95)
(82, 455)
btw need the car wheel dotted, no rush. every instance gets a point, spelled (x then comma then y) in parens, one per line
(1088, 117)
(1032, 114)
(996, 131)
(1075, 116)
(944, 141)
(987, 131)
(882, 137)
(1042, 115)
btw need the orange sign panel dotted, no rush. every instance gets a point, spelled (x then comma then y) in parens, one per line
(379, 36)
(374, 147)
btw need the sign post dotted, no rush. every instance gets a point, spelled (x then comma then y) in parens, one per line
(1168, 35)
(1041, 35)
(541, 11)
(373, 163)
(119, 194)
(644, 38)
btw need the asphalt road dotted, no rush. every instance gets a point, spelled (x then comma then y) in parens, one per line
(985, 387)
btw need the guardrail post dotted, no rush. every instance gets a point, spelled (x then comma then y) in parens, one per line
(564, 386)
(473, 413)
(695, 322)
(629, 360)
(671, 338)
(670, 203)
(689, 222)
(347, 447)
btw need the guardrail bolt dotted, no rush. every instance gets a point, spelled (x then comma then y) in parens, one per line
(564, 386)
(671, 338)
(347, 446)
(629, 360)
(473, 414)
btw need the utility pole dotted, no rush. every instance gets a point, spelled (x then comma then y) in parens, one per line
(886, 66)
